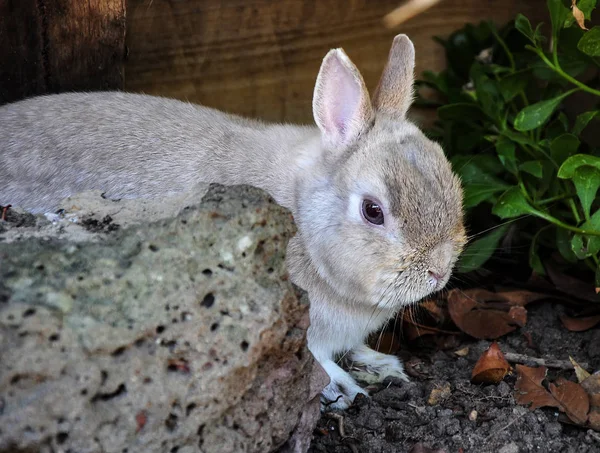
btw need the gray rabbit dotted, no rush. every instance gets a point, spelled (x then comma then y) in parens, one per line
(377, 206)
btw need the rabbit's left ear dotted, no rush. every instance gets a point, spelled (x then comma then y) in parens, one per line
(394, 94)
(341, 105)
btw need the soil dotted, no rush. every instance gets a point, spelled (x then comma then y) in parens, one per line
(398, 416)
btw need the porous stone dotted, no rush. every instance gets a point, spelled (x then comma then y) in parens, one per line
(179, 335)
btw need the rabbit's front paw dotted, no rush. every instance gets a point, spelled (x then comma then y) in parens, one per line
(341, 390)
(376, 363)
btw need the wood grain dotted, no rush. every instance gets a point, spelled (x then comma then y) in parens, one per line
(260, 58)
(60, 45)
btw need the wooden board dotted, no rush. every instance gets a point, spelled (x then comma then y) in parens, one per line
(260, 58)
(60, 45)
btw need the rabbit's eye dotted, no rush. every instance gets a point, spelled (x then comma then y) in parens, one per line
(372, 212)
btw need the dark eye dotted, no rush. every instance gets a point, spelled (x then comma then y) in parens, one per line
(372, 212)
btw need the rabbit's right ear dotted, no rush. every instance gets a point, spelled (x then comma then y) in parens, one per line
(341, 105)
(394, 94)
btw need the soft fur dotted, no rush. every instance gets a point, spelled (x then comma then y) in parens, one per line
(357, 274)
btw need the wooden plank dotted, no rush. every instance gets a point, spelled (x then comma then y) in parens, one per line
(60, 45)
(21, 43)
(260, 58)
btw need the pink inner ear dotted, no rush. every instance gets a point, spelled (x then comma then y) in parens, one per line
(342, 99)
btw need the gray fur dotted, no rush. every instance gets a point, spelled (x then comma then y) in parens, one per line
(357, 274)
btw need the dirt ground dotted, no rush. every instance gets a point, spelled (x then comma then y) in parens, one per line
(399, 418)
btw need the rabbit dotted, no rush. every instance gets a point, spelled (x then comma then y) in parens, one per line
(377, 206)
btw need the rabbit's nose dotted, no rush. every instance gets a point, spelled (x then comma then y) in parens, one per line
(435, 277)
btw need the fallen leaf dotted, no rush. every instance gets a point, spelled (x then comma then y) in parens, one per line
(592, 387)
(570, 285)
(569, 397)
(462, 352)
(529, 390)
(439, 394)
(573, 399)
(487, 315)
(581, 374)
(579, 324)
(578, 15)
(422, 448)
(491, 366)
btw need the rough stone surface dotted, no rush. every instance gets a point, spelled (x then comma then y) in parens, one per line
(182, 335)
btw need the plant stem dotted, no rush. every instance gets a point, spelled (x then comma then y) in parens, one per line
(566, 76)
(558, 223)
(505, 48)
(555, 198)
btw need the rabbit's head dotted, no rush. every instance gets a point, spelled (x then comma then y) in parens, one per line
(379, 209)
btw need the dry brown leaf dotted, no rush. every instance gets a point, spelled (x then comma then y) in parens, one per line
(581, 374)
(573, 399)
(529, 389)
(592, 387)
(570, 285)
(491, 366)
(463, 352)
(579, 324)
(439, 394)
(578, 15)
(569, 397)
(488, 315)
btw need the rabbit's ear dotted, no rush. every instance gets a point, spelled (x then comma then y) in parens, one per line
(394, 94)
(341, 105)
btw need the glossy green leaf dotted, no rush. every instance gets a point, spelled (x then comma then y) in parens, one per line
(524, 26)
(559, 13)
(589, 43)
(586, 246)
(533, 167)
(563, 244)
(587, 182)
(563, 147)
(567, 169)
(583, 120)
(506, 153)
(512, 203)
(534, 258)
(513, 84)
(480, 250)
(533, 116)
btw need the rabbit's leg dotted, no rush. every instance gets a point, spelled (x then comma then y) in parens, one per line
(341, 390)
(377, 363)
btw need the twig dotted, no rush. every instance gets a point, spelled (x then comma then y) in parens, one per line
(407, 11)
(550, 363)
(340, 420)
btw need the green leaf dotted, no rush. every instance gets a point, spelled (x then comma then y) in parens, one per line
(563, 147)
(533, 116)
(513, 84)
(506, 153)
(583, 120)
(567, 169)
(534, 259)
(587, 182)
(512, 203)
(586, 246)
(558, 15)
(563, 244)
(533, 167)
(590, 42)
(480, 250)
(487, 92)
(463, 111)
(474, 194)
(524, 26)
